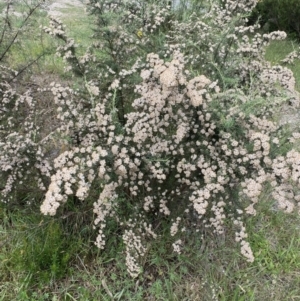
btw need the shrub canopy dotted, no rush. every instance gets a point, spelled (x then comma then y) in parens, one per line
(176, 121)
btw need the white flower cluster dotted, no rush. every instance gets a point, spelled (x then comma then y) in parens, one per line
(290, 58)
(68, 51)
(22, 150)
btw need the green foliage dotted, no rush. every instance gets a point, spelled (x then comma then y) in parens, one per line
(279, 15)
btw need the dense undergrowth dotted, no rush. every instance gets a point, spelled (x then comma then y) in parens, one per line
(167, 135)
(278, 15)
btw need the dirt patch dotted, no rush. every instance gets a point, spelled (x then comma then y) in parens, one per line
(59, 8)
(54, 8)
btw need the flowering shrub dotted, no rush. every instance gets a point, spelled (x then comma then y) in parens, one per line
(193, 140)
(22, 160)
(23, 163)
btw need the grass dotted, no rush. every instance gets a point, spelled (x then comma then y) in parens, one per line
(79, 25)
(42, 260)
(34, 42)
(54, 259)
(278, 50)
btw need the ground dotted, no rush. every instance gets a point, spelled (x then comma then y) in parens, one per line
(59, 8)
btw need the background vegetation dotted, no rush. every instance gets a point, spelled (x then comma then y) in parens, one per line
(279, 15)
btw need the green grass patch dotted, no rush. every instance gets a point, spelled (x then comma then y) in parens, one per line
(278, 50)
(33, 42)
(78, 25)
(37, 251)
(45, 259)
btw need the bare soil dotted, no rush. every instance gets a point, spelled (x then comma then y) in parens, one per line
(58, 8)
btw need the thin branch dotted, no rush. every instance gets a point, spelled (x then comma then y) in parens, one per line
(30, 13)
(7, 22)
(27, 66)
